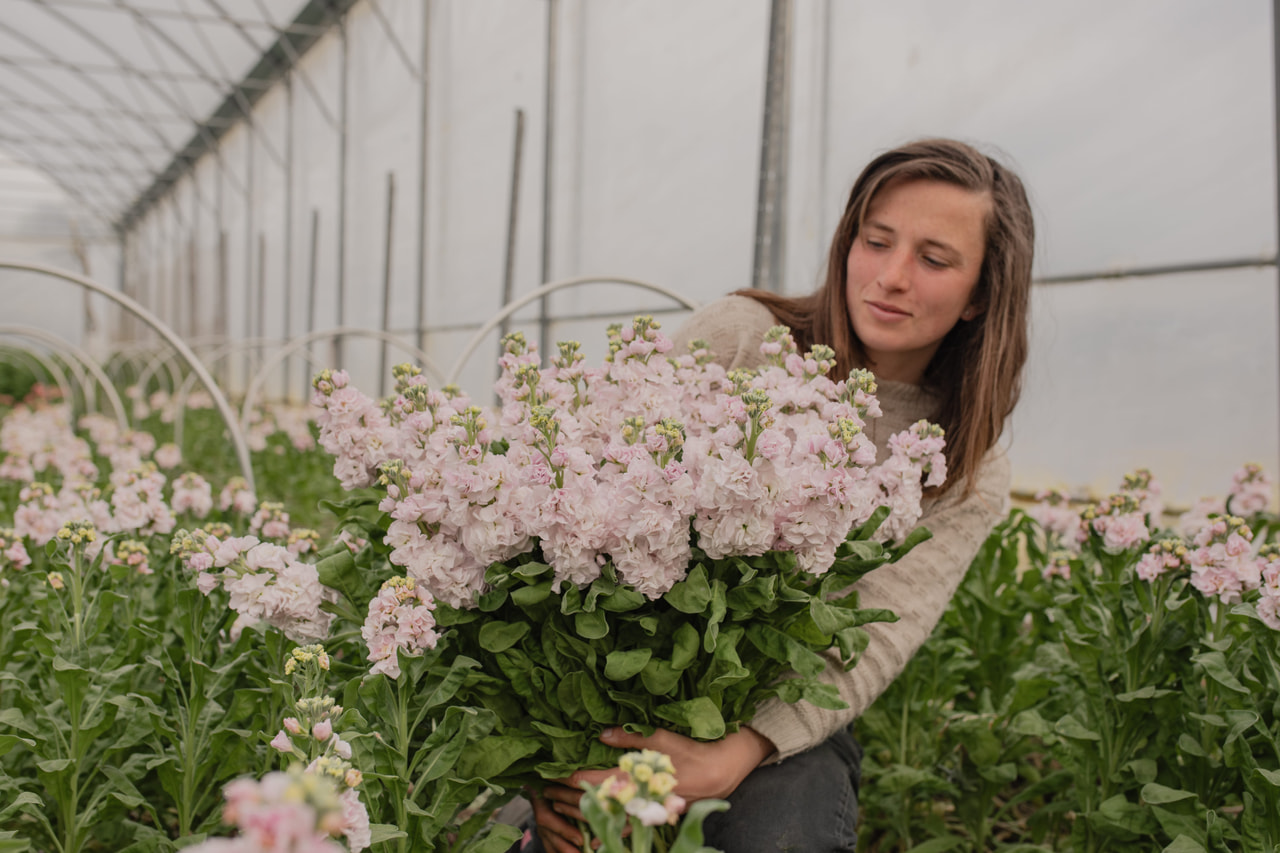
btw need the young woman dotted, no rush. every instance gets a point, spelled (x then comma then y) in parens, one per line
(927, 285)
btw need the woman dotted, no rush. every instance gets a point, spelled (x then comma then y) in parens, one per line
(927, 285)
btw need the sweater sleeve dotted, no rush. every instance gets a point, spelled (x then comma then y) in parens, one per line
(918, 588)
(733, 328)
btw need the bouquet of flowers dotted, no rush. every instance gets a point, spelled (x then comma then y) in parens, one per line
(651, 542)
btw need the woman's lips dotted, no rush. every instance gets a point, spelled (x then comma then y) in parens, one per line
(884, 311)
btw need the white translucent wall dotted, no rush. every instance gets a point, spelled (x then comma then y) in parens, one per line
(1144, 131)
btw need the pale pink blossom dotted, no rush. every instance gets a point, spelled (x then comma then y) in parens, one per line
(399, 618)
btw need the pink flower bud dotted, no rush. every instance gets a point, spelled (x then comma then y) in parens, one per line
(282, 742)
(341, 747)
(322, 730)
(292, 724)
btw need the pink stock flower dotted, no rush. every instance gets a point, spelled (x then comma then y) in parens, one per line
(282, 742)
(595, 469)
(399, 618)
(1250, 491)
(192, 494)
(1053, 512)
(167, 456)
(1223, 563)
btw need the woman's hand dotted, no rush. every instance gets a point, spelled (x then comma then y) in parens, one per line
(703, 770)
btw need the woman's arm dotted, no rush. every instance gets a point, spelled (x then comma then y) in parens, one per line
(918, 588)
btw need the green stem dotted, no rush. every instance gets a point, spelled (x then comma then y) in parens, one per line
(402, 770)
(77, 604)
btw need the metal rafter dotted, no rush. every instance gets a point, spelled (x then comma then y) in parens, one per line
(315, 17)
(107, 130)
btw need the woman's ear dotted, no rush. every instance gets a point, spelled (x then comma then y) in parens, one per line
(971, 311)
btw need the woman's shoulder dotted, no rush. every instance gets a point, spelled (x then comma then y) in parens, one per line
(733, 328)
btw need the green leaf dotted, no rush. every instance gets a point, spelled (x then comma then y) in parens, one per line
(622, 600)
(1158, 794)
(338, 571)
(492, 755)
(1272, 776)
(620, 665)
(691, 836)
(684, 652)
(1190, 745)
(591, 625)
(26, 798)
(380, 832)
(1215, 666)
(1120, 818)
(8, 742)
(1030, 724)
(781, 647)
(1143, 694)
(691, 595)
(54, 765)
(699, 715)
(1070, 727)
(528, 596)
(938, 845)
(499, 838)
(1000, 774)
(1144, 769)
(1183, 844)
(659, 677)
(499, 636)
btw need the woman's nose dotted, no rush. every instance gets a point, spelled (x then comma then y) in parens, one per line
(894, 275)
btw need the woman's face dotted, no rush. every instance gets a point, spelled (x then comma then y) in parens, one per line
(912, 271)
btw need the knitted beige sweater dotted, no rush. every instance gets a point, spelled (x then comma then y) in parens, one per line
(917, 588)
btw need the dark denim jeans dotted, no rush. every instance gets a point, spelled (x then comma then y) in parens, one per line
(805, 804)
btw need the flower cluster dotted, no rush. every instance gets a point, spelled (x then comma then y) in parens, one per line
(615, 464)
(1212, 549)
(236, 496)
(1120, 520)
(291, 811)
(1250, 491)
(399, 618)
(137, 501)
(13, 553)
(1223, 562)
(1053, 512)
(645, 789)
(192, 494)
(265, 581)
(39, 439)
(270, 521)
(133, 554)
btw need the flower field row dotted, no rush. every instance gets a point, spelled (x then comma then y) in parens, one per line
(1103, 680)
(428, 605)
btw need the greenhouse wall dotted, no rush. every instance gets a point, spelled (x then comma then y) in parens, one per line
(1144, 131)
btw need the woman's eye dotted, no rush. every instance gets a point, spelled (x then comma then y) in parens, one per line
(877, 243)
(936, 263)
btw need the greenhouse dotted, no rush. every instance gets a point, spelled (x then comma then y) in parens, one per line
(376, 468)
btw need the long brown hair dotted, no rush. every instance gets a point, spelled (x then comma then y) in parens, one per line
(977, 370)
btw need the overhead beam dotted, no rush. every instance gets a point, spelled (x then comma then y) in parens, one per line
(294, 41)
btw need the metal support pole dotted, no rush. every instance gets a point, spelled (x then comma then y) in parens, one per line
(312, 272)
(248, 242)
(548, 151)
(386, 281)
(343, 116)
(224, 298)
(287, 318)
(1275, 66)
(509, 270)
(424, 75)
(771, 199)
